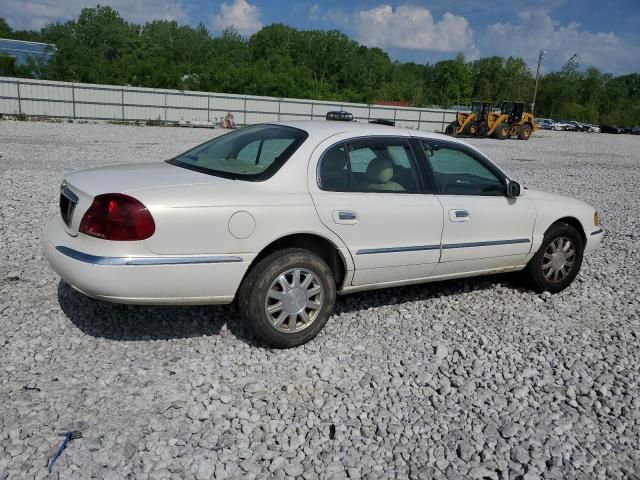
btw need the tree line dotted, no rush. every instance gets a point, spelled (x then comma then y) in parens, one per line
(281, 61)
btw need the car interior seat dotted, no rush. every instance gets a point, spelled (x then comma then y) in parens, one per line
(333, 172)
(380, 175)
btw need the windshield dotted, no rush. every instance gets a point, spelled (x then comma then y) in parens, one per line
(251, 153)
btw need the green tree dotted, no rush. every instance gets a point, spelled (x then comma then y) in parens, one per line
(101, 47)
(453, 82)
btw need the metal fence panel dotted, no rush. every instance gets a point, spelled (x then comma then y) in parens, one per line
(112, 102)
(100, 112)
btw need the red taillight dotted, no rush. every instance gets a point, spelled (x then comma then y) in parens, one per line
(114, 216)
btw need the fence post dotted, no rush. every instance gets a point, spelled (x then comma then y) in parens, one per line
(395, 112)
(442, 126)
(419, 118)
(312, 110)
(19, 98)
(165, 107)
(279, 104)
(73, 99)
(208, 106)
(245, 111)
(122, 102)
(369, 114)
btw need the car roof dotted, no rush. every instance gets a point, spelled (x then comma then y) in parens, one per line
(328, 128)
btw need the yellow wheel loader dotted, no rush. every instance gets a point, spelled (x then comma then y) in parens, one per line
(467, 123)
(511, 121)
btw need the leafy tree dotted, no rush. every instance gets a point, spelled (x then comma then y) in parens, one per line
(101, 47)
(5, 29)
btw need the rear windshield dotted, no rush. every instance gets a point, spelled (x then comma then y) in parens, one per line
(251, 153)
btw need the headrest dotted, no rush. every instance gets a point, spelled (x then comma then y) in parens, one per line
(380, 170)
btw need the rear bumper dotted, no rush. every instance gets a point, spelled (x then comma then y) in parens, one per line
(144, 279)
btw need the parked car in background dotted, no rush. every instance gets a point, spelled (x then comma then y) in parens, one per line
(578, 126)
(569, 126)
(606, 128)
(560, 125)
(340, 116)
(281, 217)
(635, 131)
(545, 124)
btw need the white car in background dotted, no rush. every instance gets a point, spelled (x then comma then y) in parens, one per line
(281, 217)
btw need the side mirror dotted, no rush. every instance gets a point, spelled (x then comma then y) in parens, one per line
(513, 189)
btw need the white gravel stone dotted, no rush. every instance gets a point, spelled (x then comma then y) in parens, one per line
(475, 378)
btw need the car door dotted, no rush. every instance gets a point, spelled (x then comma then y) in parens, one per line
(483, 228)
(370, 193)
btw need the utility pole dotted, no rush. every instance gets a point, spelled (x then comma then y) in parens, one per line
(535, 90)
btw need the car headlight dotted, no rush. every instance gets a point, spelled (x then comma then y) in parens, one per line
(596, 218)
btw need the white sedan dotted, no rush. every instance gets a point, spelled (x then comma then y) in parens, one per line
(282, 217)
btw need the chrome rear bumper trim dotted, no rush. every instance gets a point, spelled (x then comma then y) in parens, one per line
(157, 260)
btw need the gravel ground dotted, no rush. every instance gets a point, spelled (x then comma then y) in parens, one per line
(478, 378)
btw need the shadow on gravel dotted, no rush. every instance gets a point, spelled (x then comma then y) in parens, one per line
(136, 322)
(425, 291)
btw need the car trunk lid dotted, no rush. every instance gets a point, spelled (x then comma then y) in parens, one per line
(79, 188)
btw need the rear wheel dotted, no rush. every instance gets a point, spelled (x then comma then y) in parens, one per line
(558, 261)
(482, 130)
(451, 129)
(524, 132)
(288, 297)
(502, 132)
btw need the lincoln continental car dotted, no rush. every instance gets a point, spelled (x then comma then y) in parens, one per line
(282, 217)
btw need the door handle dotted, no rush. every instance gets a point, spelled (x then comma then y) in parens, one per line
(345, 216)
(459, 215)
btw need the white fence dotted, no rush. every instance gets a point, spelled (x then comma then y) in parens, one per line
(43, 98)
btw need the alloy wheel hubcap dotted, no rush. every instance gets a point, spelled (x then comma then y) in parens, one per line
(294, 300)
(558, 259)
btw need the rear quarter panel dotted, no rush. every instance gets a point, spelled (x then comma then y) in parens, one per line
(195, 219)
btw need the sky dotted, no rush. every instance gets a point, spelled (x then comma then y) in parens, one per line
(604, 34)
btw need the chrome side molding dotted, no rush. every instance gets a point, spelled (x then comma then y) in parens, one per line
(485, 244)
(416, 248)
(156, 260)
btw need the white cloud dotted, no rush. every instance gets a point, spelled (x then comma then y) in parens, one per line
(411, 26)
(239, 14)
(314, 12)
(537, 30)
(34, 14)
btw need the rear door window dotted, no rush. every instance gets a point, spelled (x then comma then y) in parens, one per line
(371, 165)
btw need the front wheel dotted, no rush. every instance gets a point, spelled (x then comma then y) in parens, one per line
(288, 297)
(524, 132)
(502, 132)
(558, 261)
(471, 129)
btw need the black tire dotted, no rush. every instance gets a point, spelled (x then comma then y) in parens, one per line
(482, 130)
(535, 271)
(451, 129)
(471, 129)
(524, 132)
(253, 296)
(502, 131)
